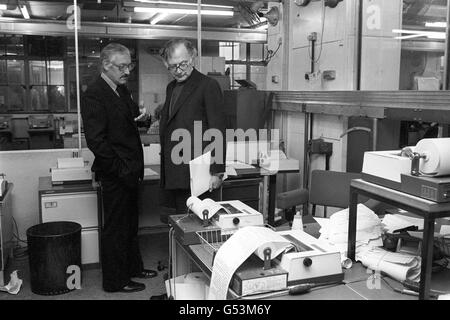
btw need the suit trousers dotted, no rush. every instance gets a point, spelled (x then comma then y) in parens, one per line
(121, 257)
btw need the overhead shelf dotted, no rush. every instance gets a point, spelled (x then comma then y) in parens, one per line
(432, 106)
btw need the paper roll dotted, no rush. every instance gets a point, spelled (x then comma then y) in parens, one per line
(437, 156)
(198, 207)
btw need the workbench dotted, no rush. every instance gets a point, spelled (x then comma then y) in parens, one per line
(428, 210)
(359, 282)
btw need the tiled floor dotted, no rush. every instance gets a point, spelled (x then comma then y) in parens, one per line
(154, 248)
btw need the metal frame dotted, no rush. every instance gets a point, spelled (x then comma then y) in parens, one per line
(130, 31)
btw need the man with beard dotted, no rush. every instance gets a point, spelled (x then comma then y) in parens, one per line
(110, 125)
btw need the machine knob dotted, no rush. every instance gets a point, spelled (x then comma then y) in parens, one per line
(307, 262)
(236, 220)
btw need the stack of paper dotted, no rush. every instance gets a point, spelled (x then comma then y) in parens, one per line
(399, 266)
(392, 222)
(368, 229)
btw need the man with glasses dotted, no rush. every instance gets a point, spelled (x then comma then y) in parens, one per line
(110, 125)
(191, 97)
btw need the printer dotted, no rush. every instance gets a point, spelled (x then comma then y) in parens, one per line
(70, 170)
(422, 170)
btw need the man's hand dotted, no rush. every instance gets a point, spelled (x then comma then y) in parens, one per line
(143, 116)
(215, 182)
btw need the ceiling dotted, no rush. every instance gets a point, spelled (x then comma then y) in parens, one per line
(245, 13)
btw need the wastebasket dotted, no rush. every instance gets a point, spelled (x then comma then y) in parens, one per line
(53, 247)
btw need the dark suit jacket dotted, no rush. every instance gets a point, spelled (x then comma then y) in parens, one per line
(200, 100)
(111, 133)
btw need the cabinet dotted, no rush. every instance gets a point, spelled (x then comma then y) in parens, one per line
(245, 109)
(247, 190)
(79, 203)
(6, 231)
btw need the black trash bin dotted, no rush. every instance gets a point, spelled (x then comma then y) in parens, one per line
(53, 247)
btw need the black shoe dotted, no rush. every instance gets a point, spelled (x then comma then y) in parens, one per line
(146, 274)
(133, 287)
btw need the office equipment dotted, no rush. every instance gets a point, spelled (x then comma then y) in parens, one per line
(251, 278)
(432, 188)
(418, 170)
(70, 170)
(314, 261)
(227, 215)
(79, 203)
(235, 252)
(40, 121)
(428, 210)
(385, 168)
(233, 214)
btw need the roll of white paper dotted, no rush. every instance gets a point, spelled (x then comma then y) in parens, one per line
(437, 156)
(199, 206)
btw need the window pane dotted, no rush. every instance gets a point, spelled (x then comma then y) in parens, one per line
(16, 72)
(3, 98)
(16, 98)
(39, 99)
(258, 76)
(238, 72)
(3, 72)
(88, 72)
(37, 73)
(14, 45)
(256, 52)
(56, 73)
(56, 98)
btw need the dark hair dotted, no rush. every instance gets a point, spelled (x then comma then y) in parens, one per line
(170, 46)
(111, 49)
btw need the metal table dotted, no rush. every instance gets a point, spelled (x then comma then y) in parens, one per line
(428, 210)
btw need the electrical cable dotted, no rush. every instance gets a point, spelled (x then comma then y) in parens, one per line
(271, 53)
(321, 37)
(19, 252)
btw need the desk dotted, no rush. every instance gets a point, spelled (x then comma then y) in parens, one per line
(428, 210)
(357, 285)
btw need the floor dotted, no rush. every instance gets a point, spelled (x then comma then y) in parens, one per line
(154, 248)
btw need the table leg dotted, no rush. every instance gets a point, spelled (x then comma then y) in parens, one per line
(351, 245)
(272, 196)
(427, 258)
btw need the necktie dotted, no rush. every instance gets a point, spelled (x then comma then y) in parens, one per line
(122, 91)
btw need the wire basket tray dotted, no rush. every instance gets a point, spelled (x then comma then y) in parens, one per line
(212, 239)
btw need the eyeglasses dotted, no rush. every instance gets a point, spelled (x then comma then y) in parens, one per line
(122, 67)
(183, 65)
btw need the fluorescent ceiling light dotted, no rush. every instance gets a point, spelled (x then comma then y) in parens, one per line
(420, 33)
(24, 11)
(436, 24)
(2, 6)
(184, 4)
(183, 11)
(158, 17)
